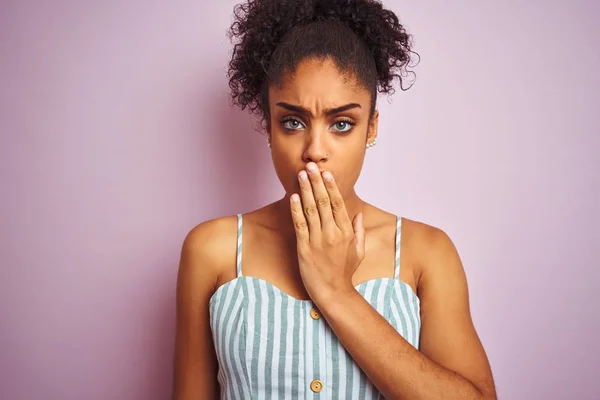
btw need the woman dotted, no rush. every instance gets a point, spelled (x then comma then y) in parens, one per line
(335, 298)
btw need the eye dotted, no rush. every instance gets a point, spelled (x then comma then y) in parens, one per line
(292, 124)
(343, 126)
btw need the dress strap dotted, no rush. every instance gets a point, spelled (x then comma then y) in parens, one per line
(398, 237)
(239, 246)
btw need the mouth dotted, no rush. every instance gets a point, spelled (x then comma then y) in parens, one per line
(321, 169)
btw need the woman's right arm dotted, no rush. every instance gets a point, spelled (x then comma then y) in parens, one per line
(206, 249)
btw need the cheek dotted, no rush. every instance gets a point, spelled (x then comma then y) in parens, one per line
(348, 174)
(286, 172)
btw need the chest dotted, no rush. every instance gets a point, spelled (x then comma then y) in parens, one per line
(269, 257)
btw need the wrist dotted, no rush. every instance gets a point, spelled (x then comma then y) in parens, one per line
(330, 297)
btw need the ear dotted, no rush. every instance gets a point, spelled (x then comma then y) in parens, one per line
(373, 125)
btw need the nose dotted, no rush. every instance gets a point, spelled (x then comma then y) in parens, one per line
(316, 150)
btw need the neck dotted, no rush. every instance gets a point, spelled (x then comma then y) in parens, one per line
(353, 203)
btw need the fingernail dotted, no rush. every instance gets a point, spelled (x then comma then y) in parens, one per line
(327, 176)
(312, 167)
(303, 175)
(295, 198)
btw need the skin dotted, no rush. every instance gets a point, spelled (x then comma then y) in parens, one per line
(325, 243)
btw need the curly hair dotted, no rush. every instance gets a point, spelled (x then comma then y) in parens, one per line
(272, 37)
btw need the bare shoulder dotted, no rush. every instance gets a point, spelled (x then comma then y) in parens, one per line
(213, 238)
(210, 247)
(432, 253)
(427, 243)
(423, 245)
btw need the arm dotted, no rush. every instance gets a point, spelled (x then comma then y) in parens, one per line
(195, 362)
(451, 364)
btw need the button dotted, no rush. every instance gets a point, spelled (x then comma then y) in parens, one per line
(314, 313)
(316, 386)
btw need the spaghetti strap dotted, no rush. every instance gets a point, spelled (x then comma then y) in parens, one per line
(398, 237)
(239, 246)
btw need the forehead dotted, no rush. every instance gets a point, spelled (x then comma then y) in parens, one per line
(318, 82)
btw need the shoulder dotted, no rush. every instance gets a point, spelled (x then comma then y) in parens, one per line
(213, 237)
(431, 248)
(209, 247)
(423, 242)
(430, 241)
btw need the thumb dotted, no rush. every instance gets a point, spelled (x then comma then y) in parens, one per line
(359, 234)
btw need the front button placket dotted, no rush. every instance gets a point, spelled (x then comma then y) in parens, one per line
(315, 351)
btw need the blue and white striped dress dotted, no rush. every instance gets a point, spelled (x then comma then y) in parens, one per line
(271, 345)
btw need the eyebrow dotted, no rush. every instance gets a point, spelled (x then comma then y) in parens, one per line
(328, 111)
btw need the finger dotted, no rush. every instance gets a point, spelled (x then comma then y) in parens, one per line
(359, 235)
(309, 206)
(300, 225)
(321, 195)
(338, 207)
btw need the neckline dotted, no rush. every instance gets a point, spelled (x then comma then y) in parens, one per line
(305, 301)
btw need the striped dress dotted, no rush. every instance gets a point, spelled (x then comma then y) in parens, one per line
(270, 345)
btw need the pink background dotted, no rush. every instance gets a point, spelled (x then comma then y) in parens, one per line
(117, 138)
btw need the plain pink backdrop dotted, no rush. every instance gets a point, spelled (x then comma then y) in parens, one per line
(117, 138)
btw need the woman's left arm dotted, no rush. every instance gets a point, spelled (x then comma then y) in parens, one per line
(451, 363)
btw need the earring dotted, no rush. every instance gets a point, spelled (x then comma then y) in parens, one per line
(369, 145)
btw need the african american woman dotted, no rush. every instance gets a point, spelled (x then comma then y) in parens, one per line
(320, 294)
